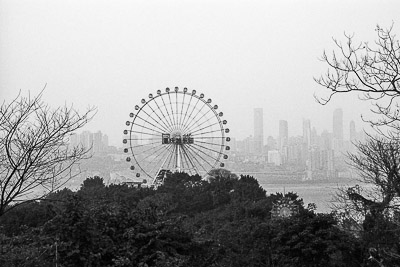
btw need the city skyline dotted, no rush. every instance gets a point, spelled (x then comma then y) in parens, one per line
(349, 127)
(339, 128)
(309, 132)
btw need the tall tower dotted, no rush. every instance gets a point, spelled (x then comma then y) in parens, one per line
(258, 131)
(86, 139)
(338, 130)
(283, 140)
(283, 133)
(97, 142)
(307, 133)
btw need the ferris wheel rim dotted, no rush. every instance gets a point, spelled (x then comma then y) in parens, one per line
(183, 124)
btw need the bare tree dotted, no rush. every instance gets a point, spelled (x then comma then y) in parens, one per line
(372, 208)
(370, 69)
(35, 156)
(378, 164)
(373, 70)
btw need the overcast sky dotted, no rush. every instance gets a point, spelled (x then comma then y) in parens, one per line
(242, 54)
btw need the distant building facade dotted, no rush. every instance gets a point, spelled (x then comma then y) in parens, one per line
(283, 140)
(96, 142)
(337, 128)
(258, 131)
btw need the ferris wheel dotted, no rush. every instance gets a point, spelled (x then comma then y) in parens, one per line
(175, 131)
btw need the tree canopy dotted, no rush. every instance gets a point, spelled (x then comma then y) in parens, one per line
(185, 222)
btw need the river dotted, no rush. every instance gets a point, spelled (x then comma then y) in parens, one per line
(320, 193)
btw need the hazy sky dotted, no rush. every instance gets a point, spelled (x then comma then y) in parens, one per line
(242, 54)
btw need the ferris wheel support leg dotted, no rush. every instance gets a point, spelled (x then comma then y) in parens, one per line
(178, 159)
(161, 167)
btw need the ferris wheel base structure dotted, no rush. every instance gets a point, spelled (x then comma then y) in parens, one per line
(175, 131)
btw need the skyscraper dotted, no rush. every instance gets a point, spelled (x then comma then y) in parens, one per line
(283, 133)
(86, 139)
(258, 131)
(338, 130)
(283, 140)
(97, 142)
(307, 133)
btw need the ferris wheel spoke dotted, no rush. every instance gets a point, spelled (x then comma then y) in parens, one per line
(153, 151)
(169, 116)
(214, 131)
(208, 126)
(140, 139)
(147, 128)
(194, 127)
(177, 110)
(148, 150)
(162, 113)
(157, 159)
(144, 133)
(172, 111)
(161, 129)
(165, 126)
(144, 145)
(163, 157)
(195, 151)
(190, 115)
(184, 163)
(209, 149)
(185, 152)
(183, 101)
(210, 143)
(157, 110)
(210, 137)
(195, 119)
(187, 109)
(171, 156)
(191, 152)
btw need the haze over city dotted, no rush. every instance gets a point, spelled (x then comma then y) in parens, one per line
(199, 133)
(243, 55)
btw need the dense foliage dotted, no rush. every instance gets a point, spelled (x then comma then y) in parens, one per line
(185, 222)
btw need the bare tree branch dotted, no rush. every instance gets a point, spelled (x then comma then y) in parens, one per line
(36, 158)
(373, 70)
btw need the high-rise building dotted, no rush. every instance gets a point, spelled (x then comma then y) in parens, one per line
(250, 146)
(283, 140)
(326, 140)
(338, 130)
(86, 139)
(307, 133)
(258, 131)
(295, 147)
(271, 143)
(97, 142)
(283, 133)
(94, 142)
